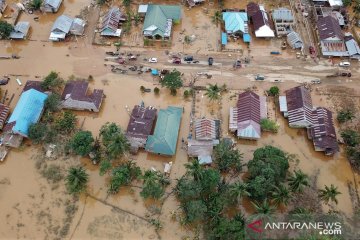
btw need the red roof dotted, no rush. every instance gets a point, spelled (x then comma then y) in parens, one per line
(248, 106)
(252, 8)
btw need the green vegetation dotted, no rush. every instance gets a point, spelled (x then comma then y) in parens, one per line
(269, 125)
(36, 4)
(347, 2)
(142, 89)
(298, 181)
(52, 82)
(263, 208)
(52, 173)
(101, 2)
(227, 158)
(281, 195)
(126, 3)
(137, 18)
(172, 81)
(213, 92)
(105, 166)
(5, 29)
(76, 180)
(329, 194)
(351, 137)
(267, 169)
(123, 175)
(52, 103)
(274, 91)
(156, 90)
(37, 132)
(66, 123)
(114, 141)
(186, 94)
(154, 184)
(81, 143)
(217, 18)
(345, 115)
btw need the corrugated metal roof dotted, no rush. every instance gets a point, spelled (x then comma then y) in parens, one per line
(329, 27)
(78, 26)
(27, 111)
(294, 40)
(166, 132)
(53, 3)
(224, 40)
(20, 30)
(282, 14)
(142, 8)
(235, 21)
(283, 104)
(352, 47)
(246, 37)
(62, 24)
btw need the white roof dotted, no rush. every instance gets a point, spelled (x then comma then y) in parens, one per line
(56, 36)
(335, 3)
(264, 31)
(142, 8)
(283, 104)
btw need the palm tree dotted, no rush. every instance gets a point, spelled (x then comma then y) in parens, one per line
(239, 190)
(213, 92)
(194, 169)
(298, 181)
(217, 17)
(76, 179)
(281, 195)
(329, 194)
(264, 208)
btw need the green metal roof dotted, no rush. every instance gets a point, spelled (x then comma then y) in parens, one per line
(157, 15)
(165, 136)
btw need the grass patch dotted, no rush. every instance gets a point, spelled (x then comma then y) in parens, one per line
(52, 173)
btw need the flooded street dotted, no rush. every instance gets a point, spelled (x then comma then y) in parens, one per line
(33, 208)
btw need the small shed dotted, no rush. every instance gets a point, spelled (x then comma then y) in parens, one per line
(294, 40)
(224, 39)
(20, 31)
(60, 28)
(142, 9)
(78, 27)
(52, 5)
(283, 105)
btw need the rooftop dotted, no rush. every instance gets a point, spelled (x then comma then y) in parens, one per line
(141, 122)
(282, 14)
(329, 27)
(78, 90)
(62, 24)
(235, 21)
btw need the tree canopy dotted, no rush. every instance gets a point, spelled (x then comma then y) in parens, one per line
(76, 179)
(227, 158)
(114, 140)
(172, 81)
(213, 92)
(82, 143)
(37, 132)
(274, 91)
(5, 29)
(66, 123)
(154, 184)
(52, 103)
(52, 82)
(123, 175)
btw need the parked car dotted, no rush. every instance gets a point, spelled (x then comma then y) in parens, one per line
(152, 60)
(344, 64)
(317, 81)
(188, 58)
(176, 60)
(121, 61)
(259, 77)
(132, 58)
(210, 61)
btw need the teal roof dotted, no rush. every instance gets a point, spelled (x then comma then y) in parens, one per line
(235, 21)
(223, 38)
(165, 136)
(246, 37)
(157, 16)
(27, 111)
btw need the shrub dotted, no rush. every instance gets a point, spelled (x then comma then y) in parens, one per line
(156, 90)
(345, 115)
(269, 125)
(274, 91)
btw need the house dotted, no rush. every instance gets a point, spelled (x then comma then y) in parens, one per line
(110, 23)
(245, 117)
(60, 28)
(334, 4)
(76, 97)
(236, 24)
(3, 6)
(141, 123)
(352, 47)
(294, 40)
(4, 113)
(261, 24)
(193, 3)
(77, 27)
(322, 132)
(52, 5)
(164, 139)
(299, 107)
(251, 9)
(201, 149)
(331, 37)
(159, 20)
(207, 129)
(283, 20)
(33, 85)
(28, 111)
(20, 31)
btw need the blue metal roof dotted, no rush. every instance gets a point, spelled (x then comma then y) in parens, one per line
(223, 38)
(27, 111)
(235, 21)
(246, 37)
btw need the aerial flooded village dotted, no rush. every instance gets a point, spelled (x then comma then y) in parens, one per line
(180, 119)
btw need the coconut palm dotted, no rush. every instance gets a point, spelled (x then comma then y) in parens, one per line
(76, 179)
(194, 169)
(329, 194)
(263, 208)
(217, 17)
(238, 190)
(213, 92)
(281, 195)
(298, 181)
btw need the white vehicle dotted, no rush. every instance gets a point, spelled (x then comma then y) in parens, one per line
(344, 64)
(153, 60)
